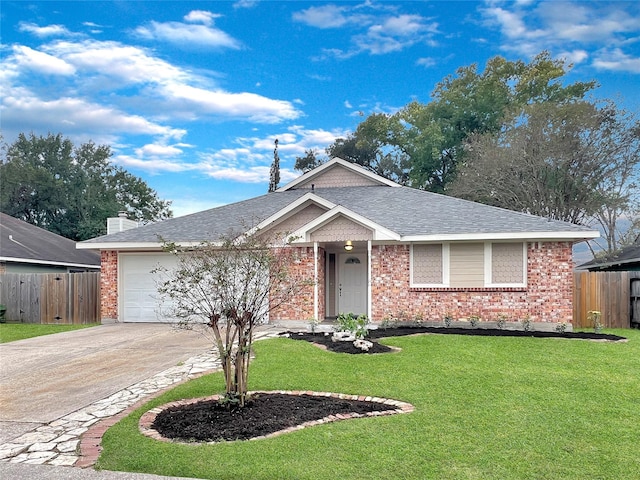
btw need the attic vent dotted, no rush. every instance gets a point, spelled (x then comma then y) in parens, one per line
(120, 224)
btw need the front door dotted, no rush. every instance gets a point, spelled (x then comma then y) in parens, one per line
(352, 283)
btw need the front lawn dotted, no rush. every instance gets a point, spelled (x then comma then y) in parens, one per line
(10, 332)
(486, 408)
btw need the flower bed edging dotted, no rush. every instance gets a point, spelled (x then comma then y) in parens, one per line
(147, 419)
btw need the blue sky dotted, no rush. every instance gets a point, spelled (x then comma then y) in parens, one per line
(191, 95)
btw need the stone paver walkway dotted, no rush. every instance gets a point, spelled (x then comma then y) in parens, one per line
(59, 442)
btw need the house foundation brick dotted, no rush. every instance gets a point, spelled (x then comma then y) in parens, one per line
(109, 284)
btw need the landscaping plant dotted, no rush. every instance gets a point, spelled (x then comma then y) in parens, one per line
(349, 322)
(229, 287)
(594, 317)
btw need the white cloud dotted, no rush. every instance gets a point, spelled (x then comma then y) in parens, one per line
(187, 35)
(531, 27)
(617, 60)
(41, 62)
(156, 150)
(48, 31)
(154, 165)
(22, 110)
(575, 56)
(426, 62)
(245, 4)
(235, 105)
(380, 32)
(200, 16)
(182, 93)
(347, 104)
(129, 64)
(326, 16)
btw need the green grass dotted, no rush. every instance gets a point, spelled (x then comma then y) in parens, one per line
(10, 332)
(486, 408)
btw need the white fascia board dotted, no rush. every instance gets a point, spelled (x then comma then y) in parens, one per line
(291, 208)
(47, 262)
(531, 236)
(122, 246)
(337, 161)
(379, 232)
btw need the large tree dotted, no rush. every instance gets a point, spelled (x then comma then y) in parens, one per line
(575, 162)
(69, 190)
(618, 143)
(424, 141)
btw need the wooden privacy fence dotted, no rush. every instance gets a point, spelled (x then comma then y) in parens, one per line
(66, 298)
(615, 294)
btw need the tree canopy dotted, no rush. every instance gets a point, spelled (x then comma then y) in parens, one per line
(69, 190)
(422, 144)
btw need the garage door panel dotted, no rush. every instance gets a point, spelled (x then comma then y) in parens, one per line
(138, 288)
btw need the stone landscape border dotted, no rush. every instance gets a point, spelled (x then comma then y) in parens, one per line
(147, 419)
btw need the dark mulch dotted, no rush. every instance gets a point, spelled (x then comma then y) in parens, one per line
(264, 413)
(348, 347)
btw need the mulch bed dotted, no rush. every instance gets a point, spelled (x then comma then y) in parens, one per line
(347, 347)
(263, 414)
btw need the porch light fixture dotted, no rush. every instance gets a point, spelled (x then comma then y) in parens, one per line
(348, 246)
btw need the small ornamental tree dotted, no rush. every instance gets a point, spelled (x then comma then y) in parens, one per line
(229, 287)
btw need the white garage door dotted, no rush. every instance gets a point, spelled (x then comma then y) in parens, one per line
(140, 301)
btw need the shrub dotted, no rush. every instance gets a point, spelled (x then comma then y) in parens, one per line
(348, 322)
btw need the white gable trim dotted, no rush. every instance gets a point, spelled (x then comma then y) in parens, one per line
(331, 163)
(379, 232)
(282, 214)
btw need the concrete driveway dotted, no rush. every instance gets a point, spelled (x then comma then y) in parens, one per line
(45, 378)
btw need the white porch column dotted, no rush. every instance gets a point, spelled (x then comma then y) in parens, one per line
(315, 281)
(369, 279)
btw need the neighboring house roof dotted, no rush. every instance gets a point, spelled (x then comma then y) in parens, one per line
(629, 256)
(21, 242)
(391, 211)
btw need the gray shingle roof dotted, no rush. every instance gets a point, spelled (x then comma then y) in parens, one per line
(29, 242)
(404, 210)
(409, 212)
(208, 225)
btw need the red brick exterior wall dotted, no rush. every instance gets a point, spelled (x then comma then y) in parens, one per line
(300, 307)
(109, 284)
(548, 296)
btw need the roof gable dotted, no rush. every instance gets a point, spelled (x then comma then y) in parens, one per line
(338, 173)
(342, 219)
